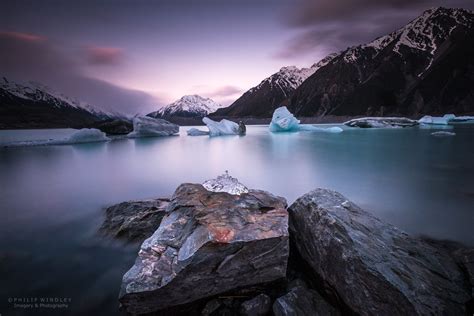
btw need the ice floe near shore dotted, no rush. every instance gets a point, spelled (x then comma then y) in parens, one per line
(84, 135)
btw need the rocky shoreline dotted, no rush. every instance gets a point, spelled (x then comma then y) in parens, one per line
(215, 253)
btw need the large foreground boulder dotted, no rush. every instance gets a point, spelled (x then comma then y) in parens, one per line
(208, 243)
(374, 268)
(134, 221)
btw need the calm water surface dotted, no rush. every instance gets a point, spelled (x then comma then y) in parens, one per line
(51, 197)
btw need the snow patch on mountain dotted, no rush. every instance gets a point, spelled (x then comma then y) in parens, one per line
(425, 33)
(290, 77)
(188, 105)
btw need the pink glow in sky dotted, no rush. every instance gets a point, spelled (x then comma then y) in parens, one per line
(135, 56)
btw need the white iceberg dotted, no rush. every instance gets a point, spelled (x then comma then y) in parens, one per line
(437, 120)
(224, 127)
(225, 183)
(148, 127)
(443, 134)
(85, 135)
(284, 121)
(196, 132)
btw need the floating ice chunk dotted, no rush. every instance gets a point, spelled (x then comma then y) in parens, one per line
(381, 122)
(148, 127)
(443, 134)
(334, 129)
(196, 132)
(443, 120)
(284, 121)
(459, 119)
(84, 135)
(224, 127)
(225, 183)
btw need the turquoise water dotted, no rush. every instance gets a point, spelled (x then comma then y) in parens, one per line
(52, 197)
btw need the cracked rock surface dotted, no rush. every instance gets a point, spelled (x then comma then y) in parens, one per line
(208, 243)
(373, 267)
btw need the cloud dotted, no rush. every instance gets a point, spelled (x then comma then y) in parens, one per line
(224, 91)
(101, 55)
(28, 37)
(27, 58)
(326, 26)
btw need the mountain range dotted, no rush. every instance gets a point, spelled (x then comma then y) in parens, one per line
(425, 67)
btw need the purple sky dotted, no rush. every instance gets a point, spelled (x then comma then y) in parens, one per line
(137, 55)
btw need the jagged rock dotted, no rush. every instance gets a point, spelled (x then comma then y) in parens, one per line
(257, 306)
(373, 267)
(301, 301)
(208, 243)
(114, 127)
(242, 128)
(381, 122)
(134, 220)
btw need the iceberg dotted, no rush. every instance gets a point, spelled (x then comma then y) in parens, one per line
(224, 127)
(443, 134)
(196, 132)
(284, 121)
(381, 122)
(149, 127)
(84, 135)
(437, 120)
(225, 183)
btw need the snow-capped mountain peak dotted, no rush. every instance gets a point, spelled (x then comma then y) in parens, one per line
(188, 105)
(424, 33)
(35, 91)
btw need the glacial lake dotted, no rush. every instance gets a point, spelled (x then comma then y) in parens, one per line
(52, 197)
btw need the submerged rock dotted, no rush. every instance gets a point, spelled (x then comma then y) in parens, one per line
(149, 127)
(381, 122)
(224, 127)
(374, 268)
(301, 300)
(208, 243)
(134, 220)
(225, 183)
